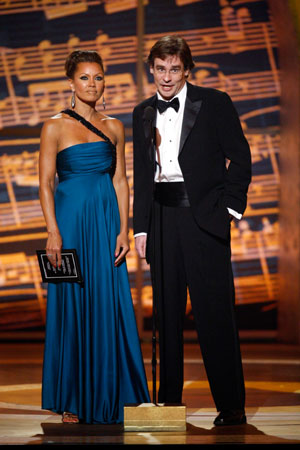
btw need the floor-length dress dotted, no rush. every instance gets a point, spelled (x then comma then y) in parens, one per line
(92, 358)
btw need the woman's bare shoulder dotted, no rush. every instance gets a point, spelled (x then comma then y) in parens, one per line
(55, 124)
(114, 125)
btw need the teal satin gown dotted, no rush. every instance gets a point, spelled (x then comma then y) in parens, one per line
(92, 358)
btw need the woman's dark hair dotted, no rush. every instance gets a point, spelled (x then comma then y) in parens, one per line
(171, 45)
(79, 56)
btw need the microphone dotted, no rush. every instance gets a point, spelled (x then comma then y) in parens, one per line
(149, 116)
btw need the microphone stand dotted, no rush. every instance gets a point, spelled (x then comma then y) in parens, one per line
(149, 116)
(154, 268)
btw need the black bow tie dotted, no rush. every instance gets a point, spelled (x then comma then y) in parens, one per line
(162, 106)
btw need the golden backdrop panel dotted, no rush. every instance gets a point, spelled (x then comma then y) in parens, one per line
(234, 46)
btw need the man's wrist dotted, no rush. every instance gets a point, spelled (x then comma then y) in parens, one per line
(235, 214)
(140, 234)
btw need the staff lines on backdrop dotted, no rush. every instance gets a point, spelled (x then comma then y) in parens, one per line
(62, 8)
(20, 269)
(54, 9)
(247, 244)
(47, 59)
(46, 99)
(16, 215)
(21, 168)
(17, 170)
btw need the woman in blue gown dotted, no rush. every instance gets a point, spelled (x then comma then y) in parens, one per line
(92, 358)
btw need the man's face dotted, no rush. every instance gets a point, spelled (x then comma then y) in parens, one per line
(169, 75)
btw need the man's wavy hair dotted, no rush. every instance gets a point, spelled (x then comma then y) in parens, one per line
(171, 45)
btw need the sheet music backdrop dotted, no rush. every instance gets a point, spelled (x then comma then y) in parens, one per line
(234, 46)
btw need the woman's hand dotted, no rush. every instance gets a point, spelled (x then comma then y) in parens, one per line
(53, 248)
(122, 247)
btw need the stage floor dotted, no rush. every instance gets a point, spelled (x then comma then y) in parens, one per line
(272, 376)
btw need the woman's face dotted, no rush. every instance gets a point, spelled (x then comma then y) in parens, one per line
(88, 82)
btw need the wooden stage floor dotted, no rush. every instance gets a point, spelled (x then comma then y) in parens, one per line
(272, 376)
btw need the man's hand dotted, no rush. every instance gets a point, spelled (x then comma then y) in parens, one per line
(140, 245)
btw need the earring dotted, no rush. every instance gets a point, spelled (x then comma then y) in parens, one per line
(73, 100)
(103, 102)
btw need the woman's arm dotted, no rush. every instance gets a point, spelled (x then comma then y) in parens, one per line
(47, 170)
(122, 191)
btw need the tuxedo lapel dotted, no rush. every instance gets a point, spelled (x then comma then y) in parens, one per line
(191, 111)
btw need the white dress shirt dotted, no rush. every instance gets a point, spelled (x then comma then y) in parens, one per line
(168, 131)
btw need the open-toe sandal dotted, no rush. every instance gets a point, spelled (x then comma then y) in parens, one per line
(69, 418)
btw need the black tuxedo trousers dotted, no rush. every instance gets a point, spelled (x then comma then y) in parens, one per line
(188, 256)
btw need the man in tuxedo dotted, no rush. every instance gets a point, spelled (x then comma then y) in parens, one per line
(184, 201)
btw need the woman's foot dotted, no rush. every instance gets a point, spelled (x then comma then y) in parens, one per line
(69, 418)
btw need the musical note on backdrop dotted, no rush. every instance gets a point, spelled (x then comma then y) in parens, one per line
(114, 6)
(21, 168)
(264, 190)
(14, 269)
(102, 48)
(234, 21)
(62, 9)
(266, 146)
(120, 89)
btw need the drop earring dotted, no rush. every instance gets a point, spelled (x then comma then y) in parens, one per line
(103, 102)
(73, 100)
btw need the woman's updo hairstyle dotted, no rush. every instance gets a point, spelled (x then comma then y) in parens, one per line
(79, 56)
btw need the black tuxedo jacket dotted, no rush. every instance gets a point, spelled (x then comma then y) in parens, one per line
(211, 133)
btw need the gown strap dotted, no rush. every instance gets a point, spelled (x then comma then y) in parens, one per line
(87, 124)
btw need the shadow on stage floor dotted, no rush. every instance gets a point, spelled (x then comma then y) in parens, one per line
(272, 377)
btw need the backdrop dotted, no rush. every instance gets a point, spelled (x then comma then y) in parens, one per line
(235, 50)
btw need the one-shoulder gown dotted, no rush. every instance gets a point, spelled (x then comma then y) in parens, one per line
(92, 357)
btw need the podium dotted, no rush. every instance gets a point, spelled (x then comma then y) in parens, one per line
(151, 417)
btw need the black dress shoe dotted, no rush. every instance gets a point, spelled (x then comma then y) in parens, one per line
(230, 417)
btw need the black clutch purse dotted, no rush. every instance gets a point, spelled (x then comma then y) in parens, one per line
(69, 270)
